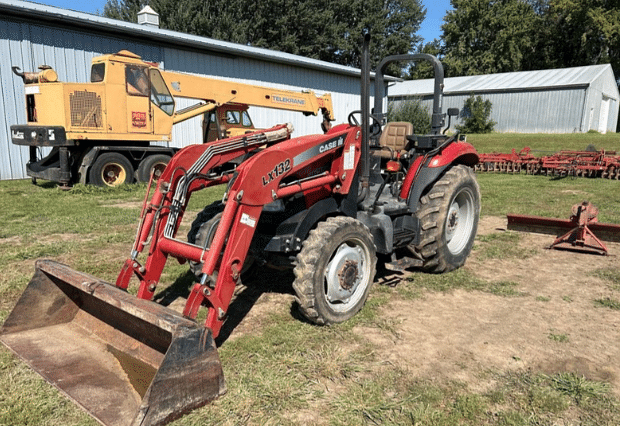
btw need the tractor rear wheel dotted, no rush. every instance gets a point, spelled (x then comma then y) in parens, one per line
(335, 270)
(448, 216)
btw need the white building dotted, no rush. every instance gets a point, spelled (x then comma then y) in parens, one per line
(567, 100)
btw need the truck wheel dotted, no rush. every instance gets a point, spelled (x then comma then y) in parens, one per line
(202, 232)
(448, 216)
(335, 270)
(111, 169)
(152, 164)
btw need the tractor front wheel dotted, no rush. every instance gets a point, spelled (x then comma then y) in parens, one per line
(202, 232)
(448, 216)
(335, 270)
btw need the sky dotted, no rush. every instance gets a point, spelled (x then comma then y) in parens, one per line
(430, 29)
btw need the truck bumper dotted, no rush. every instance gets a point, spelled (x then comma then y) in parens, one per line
(55, 166)
(40, 136)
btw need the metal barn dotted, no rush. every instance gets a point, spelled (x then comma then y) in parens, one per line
(568, 100)
(32, 35)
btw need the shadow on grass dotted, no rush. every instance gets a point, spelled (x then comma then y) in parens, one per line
(179, 288)
(262, 280)
(48, 184)
(258, 281)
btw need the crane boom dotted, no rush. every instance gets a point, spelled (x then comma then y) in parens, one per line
(220, 92)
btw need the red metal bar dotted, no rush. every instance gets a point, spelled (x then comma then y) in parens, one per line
(547, 225)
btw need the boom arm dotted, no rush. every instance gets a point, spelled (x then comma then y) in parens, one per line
(219, 92)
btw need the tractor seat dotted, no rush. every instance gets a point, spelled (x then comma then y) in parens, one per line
(393, 140)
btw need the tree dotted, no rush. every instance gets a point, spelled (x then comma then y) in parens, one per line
(411, 111)
(123, 10)
(476, 115)
(482, 36)
(319, 29)
(423, 69)
(581, 32)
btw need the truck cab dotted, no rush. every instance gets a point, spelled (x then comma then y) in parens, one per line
(226, 121)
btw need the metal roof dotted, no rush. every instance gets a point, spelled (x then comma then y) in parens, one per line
(25, 9)
(505, 82)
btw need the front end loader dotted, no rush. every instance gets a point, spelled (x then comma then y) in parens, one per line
(327, 206)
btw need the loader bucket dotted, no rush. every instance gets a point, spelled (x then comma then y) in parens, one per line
(125, 360)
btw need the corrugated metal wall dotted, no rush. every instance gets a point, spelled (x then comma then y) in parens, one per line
(28, 45)
(566, 100)
(602, 91)
(526, 111)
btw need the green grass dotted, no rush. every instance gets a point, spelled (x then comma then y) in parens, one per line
(608, 302)
(558, 337)
(502, 245)
(548, 197)
(543, 144)
(286, 371)
(459, 279)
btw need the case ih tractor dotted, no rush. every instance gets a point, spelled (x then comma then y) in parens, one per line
(327, 204)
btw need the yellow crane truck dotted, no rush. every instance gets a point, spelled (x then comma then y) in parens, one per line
(102, 132)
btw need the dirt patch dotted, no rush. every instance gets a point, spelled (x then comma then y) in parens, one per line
(11, 240)
(125, 205)
(555, 327)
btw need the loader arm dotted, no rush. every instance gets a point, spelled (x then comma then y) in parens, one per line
(268, 175)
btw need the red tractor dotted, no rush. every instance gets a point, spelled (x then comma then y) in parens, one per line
(327, 204)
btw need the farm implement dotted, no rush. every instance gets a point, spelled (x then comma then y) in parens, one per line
(325, 205)
(576, 233)
(589, 163)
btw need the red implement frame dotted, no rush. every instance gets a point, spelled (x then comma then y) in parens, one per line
(604, 164)
(575, 233)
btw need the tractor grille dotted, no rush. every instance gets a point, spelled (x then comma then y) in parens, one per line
(85, 109)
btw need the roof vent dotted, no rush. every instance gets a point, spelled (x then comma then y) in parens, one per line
(147, 16)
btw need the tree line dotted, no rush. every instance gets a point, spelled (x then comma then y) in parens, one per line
(485, 37)
(478, 36)
(320, 29)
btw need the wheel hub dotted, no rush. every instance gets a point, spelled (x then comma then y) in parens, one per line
(453, 219)
(344, 273)
(459, 222)
(348, 275)
(113, 174)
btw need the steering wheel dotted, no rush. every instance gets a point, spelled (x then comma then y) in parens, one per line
(352, 119)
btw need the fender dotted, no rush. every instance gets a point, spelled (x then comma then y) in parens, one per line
(422, 176)
(87, 160)
(291, 232)
(300, 224)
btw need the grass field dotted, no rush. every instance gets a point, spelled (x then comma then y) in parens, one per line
(544, 144)
(284, 370)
